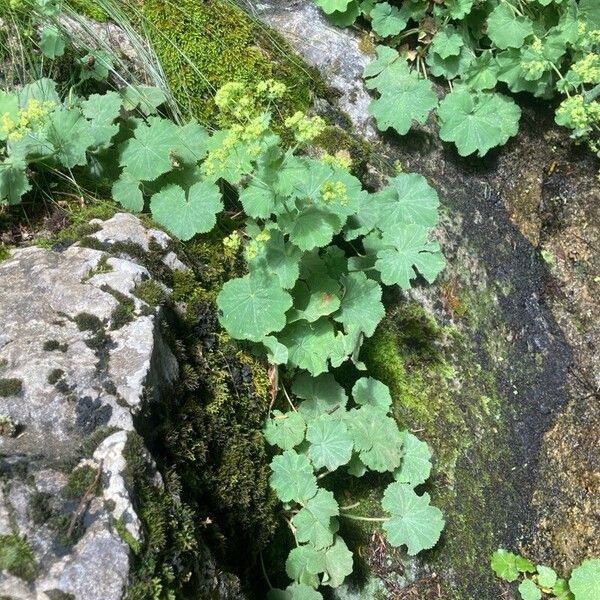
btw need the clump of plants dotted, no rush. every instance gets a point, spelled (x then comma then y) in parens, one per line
(481, 48)
(539, 581)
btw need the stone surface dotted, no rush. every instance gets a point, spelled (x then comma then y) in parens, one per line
(83, 378)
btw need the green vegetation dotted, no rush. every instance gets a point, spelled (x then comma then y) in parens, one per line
(537, 582)
(81, 481)
(10, 387)
(544, 47)
(16, 557)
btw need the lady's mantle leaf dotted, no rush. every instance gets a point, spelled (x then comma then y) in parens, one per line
(416, 461)
(546, 577)
(322, 395)
(370, 391)
(285, 430)
(414, 521)
(102, 110)
(447, 43)
(52, 43)
(187, 217)
(400, 104)
(504, 564)
(585, 580)
(253, 306)
(309, 344)
(410, 253)
(126, 191)
(13, 181)
(314, 522)
(343, 19)
(338, 563)
(330, 6)
(388, 20)
(293, 478)
(477, 122)
(70, 135)
(388, 70)
(330, 442)
(506, 29)
(529, 591)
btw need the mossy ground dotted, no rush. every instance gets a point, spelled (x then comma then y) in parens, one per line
(203, 44)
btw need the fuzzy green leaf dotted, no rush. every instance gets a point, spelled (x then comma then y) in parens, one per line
(144, 97)
(70, 135)
(529, 591)
(388, 70)
(477, 122)
(43, 90)
(13, 181)
(293, 478)
(585, 580)
(447, 43)
(372, 392)
(52, 43)
(330, 442)
(346, 18)
(191, 143)
(126, 191)
(338, 563)
(387, 20)
(411, 253)
(322, 395)
(102, 110)
(504, 564)
(253, 306)
(416, 461)
(361, 308)
(311, 228)
(546, 576)
(278, 257)
(186, 217)
(300, 591)
(147, 155)
(404, 103)
(314, 523)
(309, 344)
(330, 6)
(414, 522)
(524, 565)
(506, 28)
(297, 565)
(285, 430)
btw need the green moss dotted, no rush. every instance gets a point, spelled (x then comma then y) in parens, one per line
(80, 481)
(55, 375)
(40, 510)
(88, 8)
(90, 443)
(88, 322)
(203, 44)
(126, 536)
(4, 252)
(8, 428)
(455, 408)
(151, 292)
(10, 387)
(53, 345)
(334, 139)
(16, 557)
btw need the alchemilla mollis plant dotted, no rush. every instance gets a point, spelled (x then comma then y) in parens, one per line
(539, 581)
(318, 249)
(482, 49)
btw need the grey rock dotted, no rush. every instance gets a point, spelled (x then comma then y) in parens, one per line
(80, 377)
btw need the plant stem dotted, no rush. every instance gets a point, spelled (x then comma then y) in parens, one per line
(370, 519)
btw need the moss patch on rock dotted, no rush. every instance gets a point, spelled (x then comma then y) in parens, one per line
(203, 44)
(16, 557)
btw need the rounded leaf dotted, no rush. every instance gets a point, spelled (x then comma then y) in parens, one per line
(293, 478)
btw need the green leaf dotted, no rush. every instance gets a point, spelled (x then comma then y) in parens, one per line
(414, 522)
(447, 43)
(126, 191)
(321, 395)
(585, 580)
(404, 103)
(388, 70)
(477, 122)
(452, 66)
(13, 181)
(253, 306)
(285, 430)
(297, 565)
(320, 299)
(278, 257)
(506, 29)
(546, 576)
(387, 20)
(49, 8)
(376, 437)
(258, 199)
(504, 564)
(70, 135)
(346, 18)
(147, 98)
(330, 6)
(102, 110)
(95, 65)
(185, 217)
(482, 74)
(589, 13)
(458, 9)
(416, 461)
(300, 591)
(356, 466)
(43, 90)
(524, 565)
(314, 522)
(147, 155)
(411, 253)
(372, 392)
(338, 563)
(311, 228)
(309, 344)
(191, 143)
(561, 590)
(361, 308)
(52, 43)
(330, 442)
(293, 478)
(529, 591)
(277, 353)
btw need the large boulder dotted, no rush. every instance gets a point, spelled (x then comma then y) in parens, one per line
(81, 353)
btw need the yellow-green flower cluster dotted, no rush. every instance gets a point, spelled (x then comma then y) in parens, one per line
(305, 128)
(534, 64)
(334, 190)
(270, 89)
(588, 68)
(341, 159)
(587, 37)
(574, 112)
(231, 244)
(233, 99)
(27, 119)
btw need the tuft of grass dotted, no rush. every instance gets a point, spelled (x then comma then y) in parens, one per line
(10, 387)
